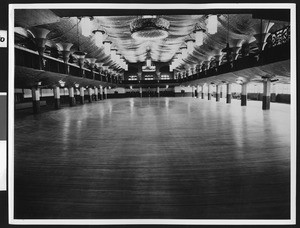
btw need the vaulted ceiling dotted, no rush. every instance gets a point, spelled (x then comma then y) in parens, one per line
(233, 27)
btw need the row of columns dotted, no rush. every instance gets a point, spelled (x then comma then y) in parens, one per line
(219, 93)
(157, 91)
(72, 102)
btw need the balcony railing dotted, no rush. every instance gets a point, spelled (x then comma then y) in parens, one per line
(277, 49)
(28, 58)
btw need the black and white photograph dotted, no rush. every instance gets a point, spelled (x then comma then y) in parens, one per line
(152, 114)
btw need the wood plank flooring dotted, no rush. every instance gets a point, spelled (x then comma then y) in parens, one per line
(154, 158)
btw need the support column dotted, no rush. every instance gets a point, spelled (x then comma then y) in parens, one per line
(244, 95)
(228, 95)
(141, 92)
(266, 95)
(157, 91)
(105, 92)
(36, 100)
(221, 90)
(96, 93)
(90, 95)
(217, 93)
(208, 92)
(81, 95)
(56, 91)
(101, 93)
(71, 97)
(198, 91)
(202, 92)
(193, 91)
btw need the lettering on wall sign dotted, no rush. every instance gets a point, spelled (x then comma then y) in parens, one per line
(3, 38)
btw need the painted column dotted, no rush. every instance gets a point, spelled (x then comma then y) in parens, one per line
(56, 91)
(157, 91)
(244, 95)
(96, 93)
(198, 91)
(141, 92)
(36, 100)
(71, 97)
(228, 93)
(266, 95)
(105, 92)
(101, 92)
(208, 92)
(202, 92)
(81, 95)
(217, 93)
(221, 91)
(193, 91)
(90, 95)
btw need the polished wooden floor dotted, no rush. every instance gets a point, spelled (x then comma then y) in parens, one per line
(154, 158)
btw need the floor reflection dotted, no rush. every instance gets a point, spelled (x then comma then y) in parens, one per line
(154, 158)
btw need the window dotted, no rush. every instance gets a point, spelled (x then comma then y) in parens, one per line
(132, 77)
(165, 77)
(148, 77)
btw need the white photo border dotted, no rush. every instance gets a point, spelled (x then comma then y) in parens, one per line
(112, 6)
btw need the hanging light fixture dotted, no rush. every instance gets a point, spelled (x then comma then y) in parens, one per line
(199, 34)
(107, 46)
(227, 49)
(99, 37)
(113, 54)
(79, 55)
(148, 58)
(190, 45)
(149, 28)
(86, 26)
(212, 24)
(184, 52)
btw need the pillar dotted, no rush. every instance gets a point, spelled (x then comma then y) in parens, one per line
(193, 91)
(198, 91)
(90, 95)
(56, 91)
(208, 92)
(221, 91)
(228, 93)
(71, 97)
(96, 93)
(202, 92)
(105, 92)
(244, 95)
(101, 93)
(35, 100)
(217, 93)
(266, 95)
(81, 95)
(157, 91)
(141, 92)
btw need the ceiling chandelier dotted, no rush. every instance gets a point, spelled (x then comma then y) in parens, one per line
(79, 55)
(149, 28)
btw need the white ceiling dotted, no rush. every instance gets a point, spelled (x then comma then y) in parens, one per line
(242, 27)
